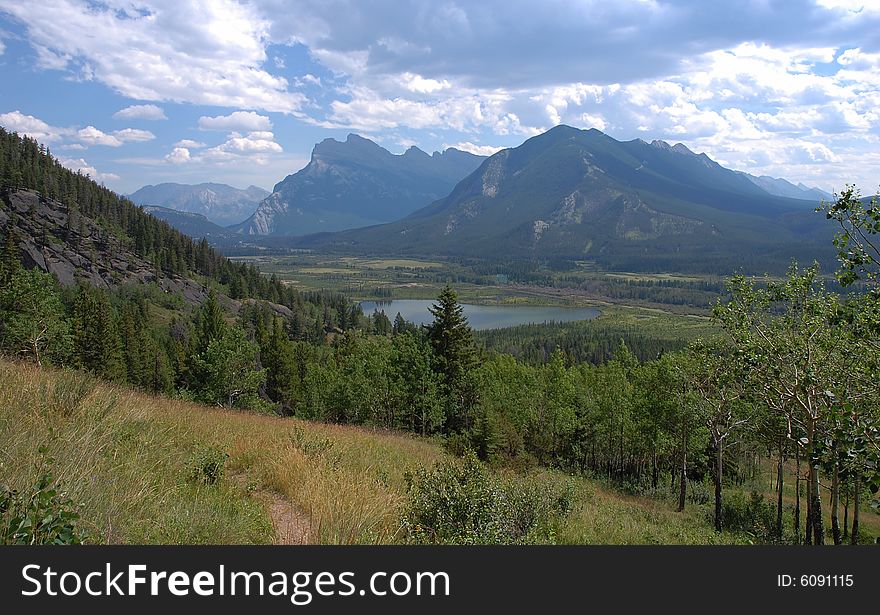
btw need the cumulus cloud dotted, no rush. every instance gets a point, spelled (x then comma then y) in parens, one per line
(141, 112)
(178, 155)
(79, 165)
(518, 44)
(189, 143)
(252, 148)
(237, 121)
(260, 142)
(92, 136)
(160, 50)
(31, 126)
(133, 134)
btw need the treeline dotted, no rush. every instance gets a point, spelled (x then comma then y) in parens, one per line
(590, 341)
(146, 338)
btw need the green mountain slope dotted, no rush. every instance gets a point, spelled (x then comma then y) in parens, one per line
(581, 195)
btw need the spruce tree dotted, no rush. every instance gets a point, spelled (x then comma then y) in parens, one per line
(452, 341)
(210, 322)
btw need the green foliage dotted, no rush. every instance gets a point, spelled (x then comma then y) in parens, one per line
(207, 466)
(33, 322)
(858, 249)
(97, 343)
(43, 515)
(228, 369)
(750, 515)
(455, 354)
(462, 503)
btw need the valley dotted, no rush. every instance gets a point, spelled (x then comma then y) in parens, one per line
(273, 385)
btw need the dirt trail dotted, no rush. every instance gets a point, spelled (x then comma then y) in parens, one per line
(292, 524)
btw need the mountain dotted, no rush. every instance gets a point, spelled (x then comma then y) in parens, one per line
(82, 250)
(581, 195)
(65, 224)
(194, 225)
(357, 183)
(219, 203)
(782, 187)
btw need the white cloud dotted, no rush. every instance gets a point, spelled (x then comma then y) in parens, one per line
(179, 155)
(141, 112)
(251, 148)
(133, 134)
(156, 50)
(92, 136)
(31, 126)
(2, 47)
(260, 142)
(479, 150)
(239, 120)
(189, 143)
(418, 84)
(81, 166)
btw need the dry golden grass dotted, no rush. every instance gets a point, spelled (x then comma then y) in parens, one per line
(125, 455)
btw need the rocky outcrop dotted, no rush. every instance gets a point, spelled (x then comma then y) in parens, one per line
(57, 239)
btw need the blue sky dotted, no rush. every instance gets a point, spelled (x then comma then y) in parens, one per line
(141, 92)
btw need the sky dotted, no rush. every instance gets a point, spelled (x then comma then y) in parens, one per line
(238, 92)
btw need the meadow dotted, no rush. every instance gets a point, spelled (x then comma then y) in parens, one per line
(134, 467)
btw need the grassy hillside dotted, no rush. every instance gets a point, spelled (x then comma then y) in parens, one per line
(128, 459)
(135, 466)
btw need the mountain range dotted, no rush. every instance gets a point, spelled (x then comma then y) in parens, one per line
(581, 195)
(356, 183)
(221, 204)
(194, 225)
(782, 187)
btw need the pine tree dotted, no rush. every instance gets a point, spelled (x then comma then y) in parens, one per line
(452, 341)
(211, 324)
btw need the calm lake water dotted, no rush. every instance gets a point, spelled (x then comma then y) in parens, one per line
(481, 316)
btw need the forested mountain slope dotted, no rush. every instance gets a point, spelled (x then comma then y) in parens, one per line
(581, 195)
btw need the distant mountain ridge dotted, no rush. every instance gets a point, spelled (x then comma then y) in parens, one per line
(582, 195)
(194, 225)
(220, 203)
(782, 187)
(354, 183)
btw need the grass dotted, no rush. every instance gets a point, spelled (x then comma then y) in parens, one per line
(126, 459)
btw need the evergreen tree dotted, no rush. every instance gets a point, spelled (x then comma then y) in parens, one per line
(97, 344)
(210, 322)
(452, 341)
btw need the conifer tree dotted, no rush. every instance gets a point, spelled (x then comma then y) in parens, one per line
(452, 341)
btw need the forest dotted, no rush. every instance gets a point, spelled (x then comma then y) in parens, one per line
(791, 375)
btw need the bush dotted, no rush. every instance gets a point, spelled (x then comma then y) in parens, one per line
(207, 466)
(45, 516)
(462, 503)
(751, 515)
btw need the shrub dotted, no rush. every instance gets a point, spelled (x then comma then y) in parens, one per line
(45, 516)
(751, 515)
(462, 503)
(207, 466)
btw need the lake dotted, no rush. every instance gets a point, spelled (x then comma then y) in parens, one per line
(481, 316)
